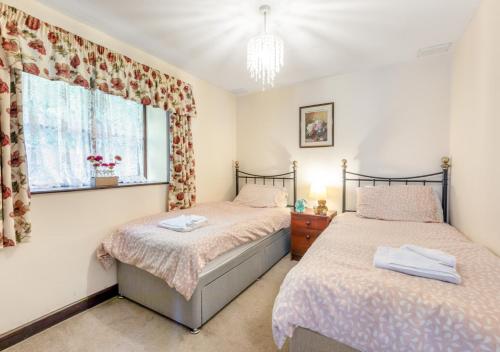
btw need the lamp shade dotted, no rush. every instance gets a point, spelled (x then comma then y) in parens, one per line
(317, 191)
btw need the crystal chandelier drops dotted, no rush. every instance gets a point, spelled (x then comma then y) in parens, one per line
(265, 54)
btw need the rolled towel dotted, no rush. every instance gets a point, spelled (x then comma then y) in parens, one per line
(434, 254)
(183, 223)
(411, 263)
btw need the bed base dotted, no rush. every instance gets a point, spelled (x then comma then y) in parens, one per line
(216, 287)
(305, 340)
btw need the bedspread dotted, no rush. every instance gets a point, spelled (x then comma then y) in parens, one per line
(335, 291)
(179, 257)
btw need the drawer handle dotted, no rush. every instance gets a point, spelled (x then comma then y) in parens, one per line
(308, 237)
(308, 222)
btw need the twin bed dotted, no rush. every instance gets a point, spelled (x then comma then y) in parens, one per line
(336, 300)
(336, 292)
(190, 276)
(333, 299)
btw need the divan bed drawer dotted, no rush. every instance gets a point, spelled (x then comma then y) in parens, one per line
(226, 287)
(276, 250)
(219, 292)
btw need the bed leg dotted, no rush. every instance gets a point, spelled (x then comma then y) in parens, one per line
(194, 331)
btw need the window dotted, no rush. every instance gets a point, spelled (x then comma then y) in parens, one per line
(64, 124)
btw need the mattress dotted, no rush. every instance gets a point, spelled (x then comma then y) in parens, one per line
(178, 258)
(335, 291)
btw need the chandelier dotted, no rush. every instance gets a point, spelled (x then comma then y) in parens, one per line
(264, 54)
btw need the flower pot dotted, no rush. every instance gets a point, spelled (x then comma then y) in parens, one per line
(105, 181)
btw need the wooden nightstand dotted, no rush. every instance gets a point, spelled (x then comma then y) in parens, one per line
(306, 227)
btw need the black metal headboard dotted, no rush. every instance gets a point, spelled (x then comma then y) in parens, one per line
(280, 178)
(438, 177)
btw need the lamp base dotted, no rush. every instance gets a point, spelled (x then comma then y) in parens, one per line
(321, 208)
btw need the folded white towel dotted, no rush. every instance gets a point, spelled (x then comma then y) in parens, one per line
(409, 262)
(434, 254)
(184, 223)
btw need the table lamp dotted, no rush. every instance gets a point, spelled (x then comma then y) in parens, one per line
(318, 192)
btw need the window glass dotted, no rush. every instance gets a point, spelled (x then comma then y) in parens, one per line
(157, 146)
(64, 124)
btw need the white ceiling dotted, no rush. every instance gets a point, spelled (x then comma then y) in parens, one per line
(322, 37)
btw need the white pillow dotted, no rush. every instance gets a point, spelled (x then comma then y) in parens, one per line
(262, 196)
(399, 203)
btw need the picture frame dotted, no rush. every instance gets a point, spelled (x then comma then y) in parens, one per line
(316, 125)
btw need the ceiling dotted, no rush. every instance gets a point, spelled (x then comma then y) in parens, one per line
(322, 37)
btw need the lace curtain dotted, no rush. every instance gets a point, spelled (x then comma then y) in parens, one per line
(119, 130)
(64, 124)
(57, 125)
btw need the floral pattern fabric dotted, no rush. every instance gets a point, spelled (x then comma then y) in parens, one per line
(399, 203)
(48, 51)
(15, 225)
(336, 291)
(33, 46)
(179, 258)
(182, 188)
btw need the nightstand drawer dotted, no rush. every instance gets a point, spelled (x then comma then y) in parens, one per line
(302, 240)
(310, 222)
(306, 227)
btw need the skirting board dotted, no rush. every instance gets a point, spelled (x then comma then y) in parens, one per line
(15, 336)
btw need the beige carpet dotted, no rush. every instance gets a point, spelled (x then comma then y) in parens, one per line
(120, 325)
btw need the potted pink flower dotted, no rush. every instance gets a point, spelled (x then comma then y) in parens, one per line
(104, 171)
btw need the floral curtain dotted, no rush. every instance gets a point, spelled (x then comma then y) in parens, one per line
(182, 188)
(15, 225)
(38, 48)
(51, 52)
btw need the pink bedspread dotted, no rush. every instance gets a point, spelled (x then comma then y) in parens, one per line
(179, 257)
(335, 291)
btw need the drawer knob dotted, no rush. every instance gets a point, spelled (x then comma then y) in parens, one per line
(308, 222)
(308, 237)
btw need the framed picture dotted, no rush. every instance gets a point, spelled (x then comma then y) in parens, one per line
(316, 125)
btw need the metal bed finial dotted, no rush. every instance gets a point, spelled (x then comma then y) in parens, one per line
(294, 164)
(445, 163)
(344, 163)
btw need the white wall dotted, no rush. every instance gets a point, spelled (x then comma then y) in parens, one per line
(391, 121)
(58, 267)
(475, 128)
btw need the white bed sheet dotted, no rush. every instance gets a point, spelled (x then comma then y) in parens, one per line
(179, 257)
(335, 291)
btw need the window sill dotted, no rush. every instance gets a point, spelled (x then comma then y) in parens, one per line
(93, 188)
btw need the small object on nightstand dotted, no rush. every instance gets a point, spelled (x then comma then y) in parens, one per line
(300, 205)
(318, 192)
(305, 228)
(321, 208)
